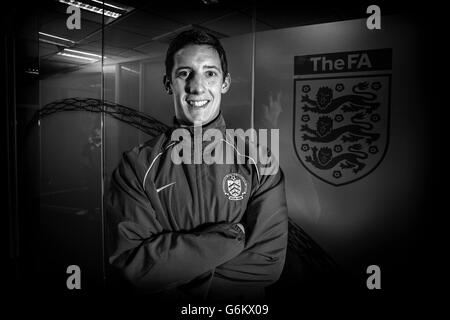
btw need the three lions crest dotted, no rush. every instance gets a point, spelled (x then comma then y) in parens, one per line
(341, 126)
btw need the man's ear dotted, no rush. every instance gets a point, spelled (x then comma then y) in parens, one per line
(167, 84)
(226, 83)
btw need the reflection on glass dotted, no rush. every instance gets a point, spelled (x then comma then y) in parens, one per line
(70, 217)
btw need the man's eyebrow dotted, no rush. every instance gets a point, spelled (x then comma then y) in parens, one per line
(182, 67)
(204, 67)
(212, 67)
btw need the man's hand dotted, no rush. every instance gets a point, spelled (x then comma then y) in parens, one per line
(227, 229)
(240, 230)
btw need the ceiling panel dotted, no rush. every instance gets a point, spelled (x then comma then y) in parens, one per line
(116, 37)
(145, 24)
(188, 12)
(58, 27)
(145, 32)
(235, 24)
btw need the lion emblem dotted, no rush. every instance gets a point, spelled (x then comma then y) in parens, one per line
(359, 100)
(350, 133)
(323, 158)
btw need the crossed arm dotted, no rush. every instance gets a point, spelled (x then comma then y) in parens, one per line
(153, 258)
(261, 262)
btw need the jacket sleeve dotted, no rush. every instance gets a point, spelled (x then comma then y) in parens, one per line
(151, 257)
(266, 223)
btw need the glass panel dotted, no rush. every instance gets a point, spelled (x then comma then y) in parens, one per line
(70, 216)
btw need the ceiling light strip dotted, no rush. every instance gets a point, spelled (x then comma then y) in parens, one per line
(52, 42)
(76, 56)
(109, 5)
(90, 8)
(82, 52)
(56, 37)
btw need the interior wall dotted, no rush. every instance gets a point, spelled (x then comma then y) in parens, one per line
(369, 221)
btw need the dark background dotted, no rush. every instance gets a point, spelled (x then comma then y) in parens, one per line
(411, 263)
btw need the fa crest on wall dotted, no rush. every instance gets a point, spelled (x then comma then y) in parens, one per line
(341, 113)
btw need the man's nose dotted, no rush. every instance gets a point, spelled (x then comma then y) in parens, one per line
(194, 85)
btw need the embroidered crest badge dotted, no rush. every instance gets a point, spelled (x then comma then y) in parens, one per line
(234, 186)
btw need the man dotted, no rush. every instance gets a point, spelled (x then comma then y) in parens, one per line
(190, 230)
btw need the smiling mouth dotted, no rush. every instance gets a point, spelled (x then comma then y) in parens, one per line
(197, 103)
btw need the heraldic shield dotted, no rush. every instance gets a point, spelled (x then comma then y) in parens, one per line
(341, 125)
(234, 187)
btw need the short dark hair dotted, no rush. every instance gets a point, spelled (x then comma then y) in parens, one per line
(199, 37)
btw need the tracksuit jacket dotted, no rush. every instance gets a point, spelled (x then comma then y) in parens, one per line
(174, 226)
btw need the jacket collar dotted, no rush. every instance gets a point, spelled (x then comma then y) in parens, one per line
(217, 123)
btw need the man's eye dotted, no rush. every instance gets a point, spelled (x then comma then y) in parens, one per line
(182, 74)
(211, 73)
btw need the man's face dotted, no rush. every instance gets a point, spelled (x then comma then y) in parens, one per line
(197, 84)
